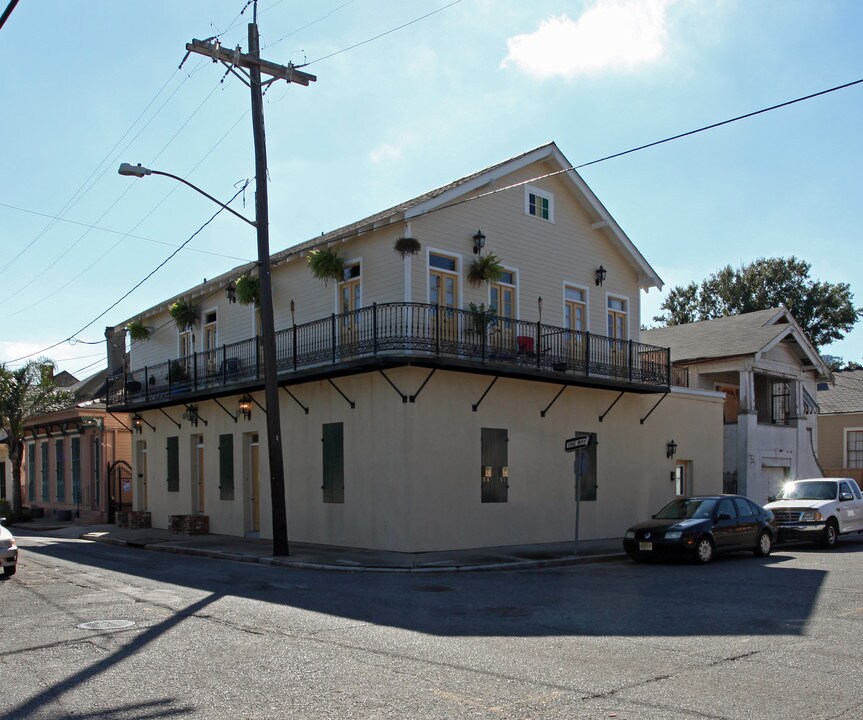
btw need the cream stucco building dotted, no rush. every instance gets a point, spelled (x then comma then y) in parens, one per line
(412, 420)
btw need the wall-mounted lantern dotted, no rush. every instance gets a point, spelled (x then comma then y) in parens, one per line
(671, 449)
(478, 242)
(246, 407)
(601, 272)
(191, 415)
(137, 423)
(231, 292)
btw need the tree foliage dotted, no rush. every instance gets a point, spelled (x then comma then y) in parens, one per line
(24, 393)
(824, 310)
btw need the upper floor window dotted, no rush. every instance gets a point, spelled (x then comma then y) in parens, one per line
(780, 401)
(617, 318)
(575, 308)
(538, 203)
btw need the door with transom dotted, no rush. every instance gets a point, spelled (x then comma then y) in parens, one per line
(349, 304)
(502, 299)
(443, 294)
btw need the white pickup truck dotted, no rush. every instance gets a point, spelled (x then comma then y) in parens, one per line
(818, 509)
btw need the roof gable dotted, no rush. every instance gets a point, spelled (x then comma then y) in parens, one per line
(749, 334)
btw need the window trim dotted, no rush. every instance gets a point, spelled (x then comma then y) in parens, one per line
(586, 291)
(845, 458)
(613, 296)
(545, 194)
(455, 273)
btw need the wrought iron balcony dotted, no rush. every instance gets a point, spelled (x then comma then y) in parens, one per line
(396, 332)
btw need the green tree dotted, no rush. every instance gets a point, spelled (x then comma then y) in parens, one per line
(824, 310)
(25, 392)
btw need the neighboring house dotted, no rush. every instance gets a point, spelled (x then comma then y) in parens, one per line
(769, 372)
(77, 461)
(411, 419)
(5, 472)
(840, 425)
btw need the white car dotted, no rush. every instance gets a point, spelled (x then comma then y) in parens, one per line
(818, 509)
(8, 551)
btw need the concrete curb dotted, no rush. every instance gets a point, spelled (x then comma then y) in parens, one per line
(308, 565)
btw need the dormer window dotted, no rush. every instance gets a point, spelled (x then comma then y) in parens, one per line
(538, 203)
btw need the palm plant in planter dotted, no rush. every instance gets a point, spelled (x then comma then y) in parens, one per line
(138, 332)
(481, 317)
(484, 269)
(184, 314)
(326, 265)
(405, 246)
(248, 290)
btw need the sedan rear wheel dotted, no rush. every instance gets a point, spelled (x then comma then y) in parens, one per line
(704, 550)
(764, 544)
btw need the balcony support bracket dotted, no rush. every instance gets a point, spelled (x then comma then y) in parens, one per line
(413, 398)
(229, 413)
(293, 397)
(169, 417)
(665, 395)
(347, 399)
(393, 386)
(124, 424)
(602, 417)
(559, 393)
(476, 405)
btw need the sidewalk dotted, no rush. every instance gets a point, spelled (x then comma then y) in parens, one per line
(325, 557)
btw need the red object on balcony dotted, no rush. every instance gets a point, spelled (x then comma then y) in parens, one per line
(525, 344)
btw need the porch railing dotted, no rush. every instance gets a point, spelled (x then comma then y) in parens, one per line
(399, 329)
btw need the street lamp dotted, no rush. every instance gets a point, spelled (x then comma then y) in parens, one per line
(271, 383)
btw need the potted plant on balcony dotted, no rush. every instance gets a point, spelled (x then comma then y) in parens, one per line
(481, 317)
(326, 265)
(183, 313)
(405, 246)
(248, 289)
(138, 332)
(484, 269)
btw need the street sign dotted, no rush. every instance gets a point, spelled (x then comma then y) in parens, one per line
(579, 441)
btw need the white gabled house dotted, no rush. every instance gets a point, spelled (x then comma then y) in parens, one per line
(769, 373)
(413, 420)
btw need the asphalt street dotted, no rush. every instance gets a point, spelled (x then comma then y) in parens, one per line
(97, 631)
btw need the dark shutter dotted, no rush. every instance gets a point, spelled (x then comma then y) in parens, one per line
(334, 463)
(173, 452)
(226, 467)
(494, 469)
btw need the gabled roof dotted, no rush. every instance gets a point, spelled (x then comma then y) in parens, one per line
(735, 336)
(466, 188)
(845, 395)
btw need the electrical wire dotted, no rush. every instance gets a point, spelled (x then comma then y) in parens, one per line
(308, 25)
(134, 287)
(383, 34)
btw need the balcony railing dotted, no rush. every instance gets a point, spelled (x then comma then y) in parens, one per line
(398, 330)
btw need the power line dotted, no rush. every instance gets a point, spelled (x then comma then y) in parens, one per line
(120, 232)
(383, 34)
(307, 25)
(133, 288)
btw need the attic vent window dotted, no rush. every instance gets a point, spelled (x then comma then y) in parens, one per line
(538, 203)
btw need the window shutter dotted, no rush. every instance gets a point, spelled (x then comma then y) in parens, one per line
(226, 467)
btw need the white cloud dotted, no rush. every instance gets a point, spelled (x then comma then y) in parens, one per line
(385, 152)
(610, 35)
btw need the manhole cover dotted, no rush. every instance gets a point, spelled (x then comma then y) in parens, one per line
(106, 624)
(433, 588)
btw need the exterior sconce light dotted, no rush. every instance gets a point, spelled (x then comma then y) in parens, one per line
(601, 272)
(137, 423)
(191, 415)
(478, 242)
(246, 407)
(231, 292)
(671, 449)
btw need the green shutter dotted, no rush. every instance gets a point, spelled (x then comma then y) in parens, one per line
(226, 467)
(173, 452)
(334, 463)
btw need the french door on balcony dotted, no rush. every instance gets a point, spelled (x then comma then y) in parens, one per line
(443, 293)
(575, 319)
(502, 299)
(349, 304)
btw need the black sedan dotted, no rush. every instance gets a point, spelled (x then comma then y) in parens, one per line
(700, 527)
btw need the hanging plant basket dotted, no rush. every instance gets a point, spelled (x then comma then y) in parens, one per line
(248, 289)
(184, 314)
(138, 332)
(484, 269)
(326, 265)
(405, 246)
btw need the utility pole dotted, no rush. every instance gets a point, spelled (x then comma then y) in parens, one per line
(236, 63)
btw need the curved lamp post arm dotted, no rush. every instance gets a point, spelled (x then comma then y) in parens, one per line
(139, 170)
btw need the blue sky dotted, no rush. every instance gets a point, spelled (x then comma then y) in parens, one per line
(88, 84)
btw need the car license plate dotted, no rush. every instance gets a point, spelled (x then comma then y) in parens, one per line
(645, 546)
